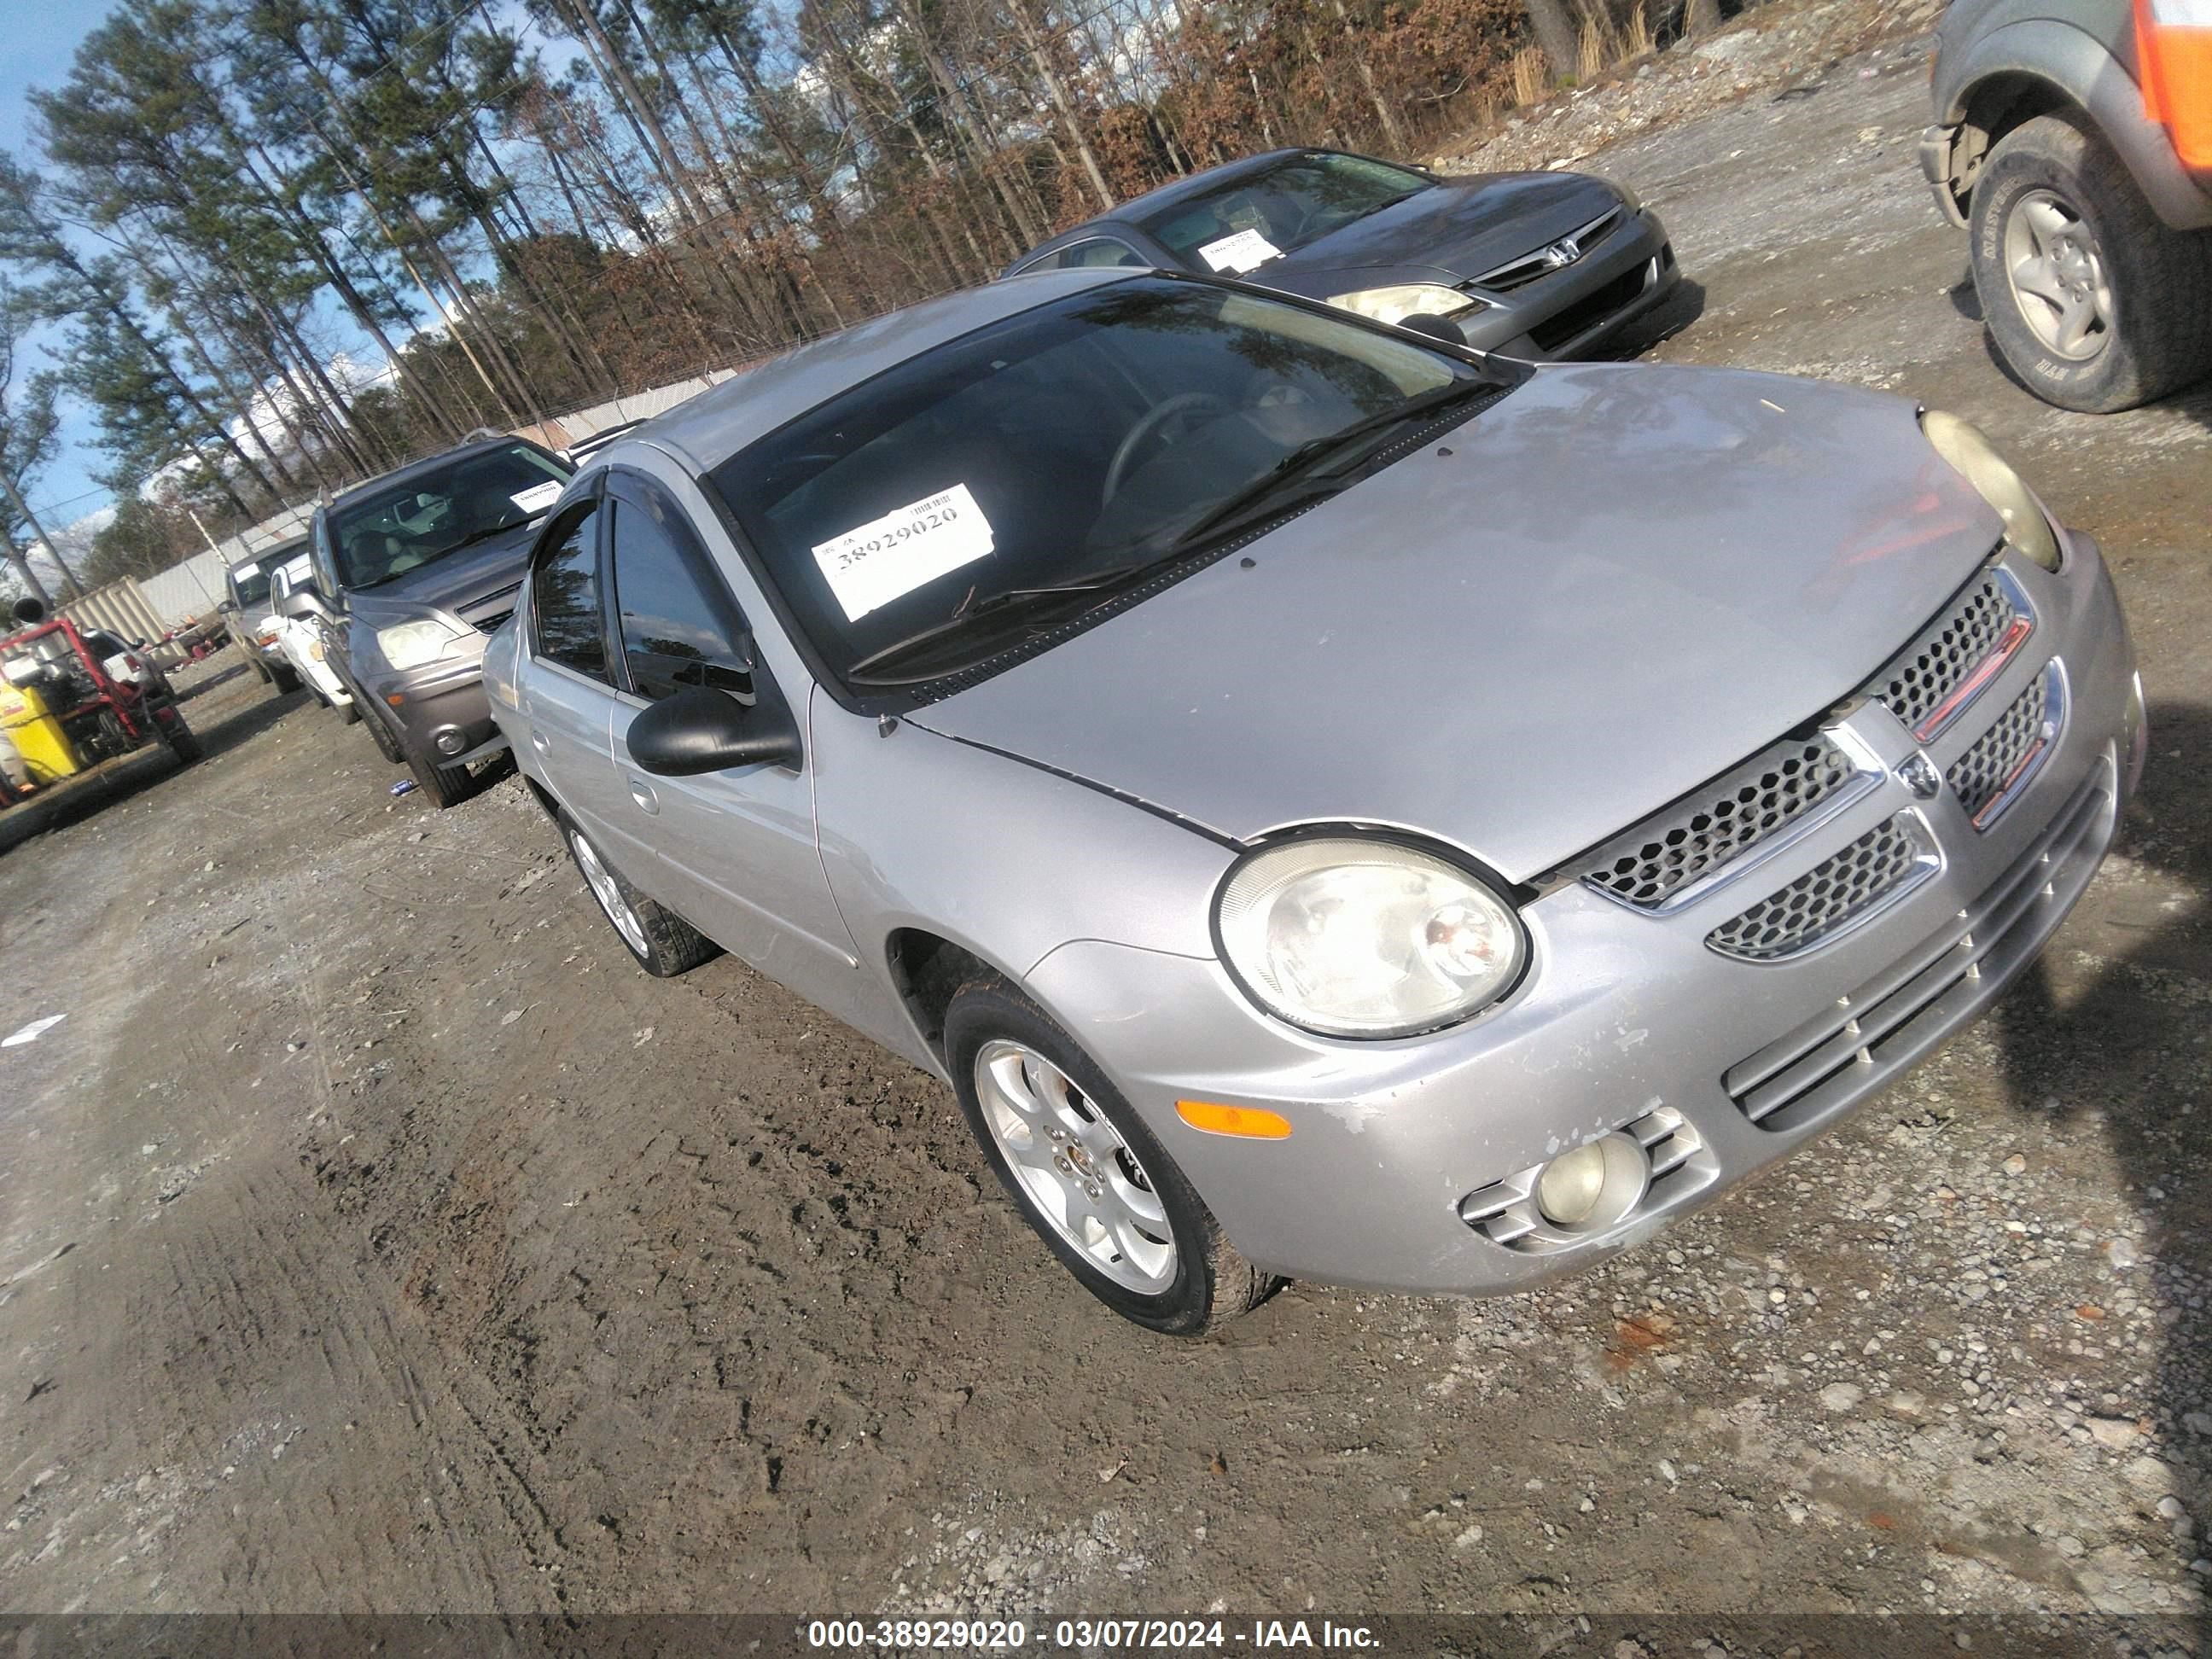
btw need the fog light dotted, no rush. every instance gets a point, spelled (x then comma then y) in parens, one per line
(1594, 1186)
(449, 743)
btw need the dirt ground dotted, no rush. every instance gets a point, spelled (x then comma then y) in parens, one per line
(373, 1235)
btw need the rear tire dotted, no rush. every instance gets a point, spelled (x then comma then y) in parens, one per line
(2056, 212)
(658, 939)
(993, 1032)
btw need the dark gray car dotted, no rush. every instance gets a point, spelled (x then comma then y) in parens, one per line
(1539, 266)
(1429, 825)
(412, 570)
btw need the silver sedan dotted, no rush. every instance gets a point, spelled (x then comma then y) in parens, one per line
(1329, 802)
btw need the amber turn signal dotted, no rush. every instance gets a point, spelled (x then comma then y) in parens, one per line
(1251, 1122)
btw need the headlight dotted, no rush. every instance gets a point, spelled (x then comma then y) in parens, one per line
(1391, 305)
(409, 644)
(1366, 938)
(1971, 456)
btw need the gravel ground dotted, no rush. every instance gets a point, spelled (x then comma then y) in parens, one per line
(374, 1237)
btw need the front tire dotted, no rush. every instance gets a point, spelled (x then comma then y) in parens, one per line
(285, 678)
(445, 785)
(183, 741)
(2091, 300)
(658, 939)
(1086, 1172)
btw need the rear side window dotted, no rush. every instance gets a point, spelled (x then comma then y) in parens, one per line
(564, 598)
(1099, 251)
(674, 631)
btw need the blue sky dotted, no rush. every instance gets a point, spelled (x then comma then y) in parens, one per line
(41, 38)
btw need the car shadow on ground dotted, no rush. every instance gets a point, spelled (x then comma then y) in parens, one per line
(202, 687)
(1661, 324)
(60, 805)
(2127, 1052)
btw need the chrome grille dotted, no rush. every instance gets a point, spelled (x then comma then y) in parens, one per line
(1924, 677)
(1519, 273)
(2002, 753)
(1830, 895)
(1650, 864)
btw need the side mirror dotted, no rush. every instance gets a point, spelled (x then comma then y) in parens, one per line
(1436, 327)
(696, 729)
(227, 608)
(301, 602)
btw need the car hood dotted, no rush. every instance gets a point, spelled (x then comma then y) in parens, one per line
(451, 584)
(1605, 589)
(1456, 231)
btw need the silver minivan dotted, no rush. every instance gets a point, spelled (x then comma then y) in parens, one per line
(1330, 803)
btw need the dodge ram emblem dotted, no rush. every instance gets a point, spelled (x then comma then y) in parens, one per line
(1918, 774)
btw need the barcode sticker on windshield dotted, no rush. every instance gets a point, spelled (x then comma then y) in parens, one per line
(538, 496)
(1241, 253)
(889, 557)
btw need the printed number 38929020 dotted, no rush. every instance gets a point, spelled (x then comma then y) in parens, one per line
(934, 517)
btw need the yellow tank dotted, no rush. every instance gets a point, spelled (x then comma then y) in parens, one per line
(37, 735)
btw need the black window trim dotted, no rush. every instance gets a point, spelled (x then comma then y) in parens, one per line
(627, 486)
(591, 500)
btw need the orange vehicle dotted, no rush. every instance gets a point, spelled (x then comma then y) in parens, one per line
(2074, 142)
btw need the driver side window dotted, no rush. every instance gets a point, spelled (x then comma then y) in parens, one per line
(676, 628)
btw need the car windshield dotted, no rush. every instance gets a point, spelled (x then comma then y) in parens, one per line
(251, 582)
(478, 496)
(1240, 225)
(1061, 450)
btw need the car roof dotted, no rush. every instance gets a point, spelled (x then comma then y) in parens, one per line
(428, 463)
(1167, 196)
(710, 428)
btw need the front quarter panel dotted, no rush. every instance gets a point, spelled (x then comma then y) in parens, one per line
(1004, 859)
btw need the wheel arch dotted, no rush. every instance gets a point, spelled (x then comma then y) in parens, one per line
(2040, 66)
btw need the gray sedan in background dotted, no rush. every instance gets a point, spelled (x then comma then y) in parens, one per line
(1330, 804)
(1539, 266)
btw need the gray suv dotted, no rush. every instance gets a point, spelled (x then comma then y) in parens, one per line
(411, 571)
(2091, 239)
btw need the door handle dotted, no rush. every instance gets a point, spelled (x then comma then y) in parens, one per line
(537, 740)
(642, 793)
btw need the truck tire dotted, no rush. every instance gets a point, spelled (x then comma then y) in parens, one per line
(2092, 301)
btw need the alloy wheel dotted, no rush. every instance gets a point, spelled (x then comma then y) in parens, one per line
(2058, 275)
(601, 881)
(1074, 1167)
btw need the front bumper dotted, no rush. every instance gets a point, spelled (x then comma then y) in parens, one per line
(440, 710)
(1629, 1019)
(1572, 313)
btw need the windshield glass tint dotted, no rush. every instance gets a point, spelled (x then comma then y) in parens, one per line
(1068, 441)
(251, 582)
(1248, 221)
(480, 495)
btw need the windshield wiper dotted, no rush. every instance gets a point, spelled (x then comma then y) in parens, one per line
(994, 610)
(1273, 490)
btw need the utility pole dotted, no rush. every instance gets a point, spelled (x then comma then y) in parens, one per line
(23, 512)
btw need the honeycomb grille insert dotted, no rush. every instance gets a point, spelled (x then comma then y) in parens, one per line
(1835, 891)
(1949, 649)
(1980, 775)
(1663, 855)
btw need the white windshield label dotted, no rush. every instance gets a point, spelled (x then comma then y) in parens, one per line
(911, 547)
(1241, 253)
(537, 497)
